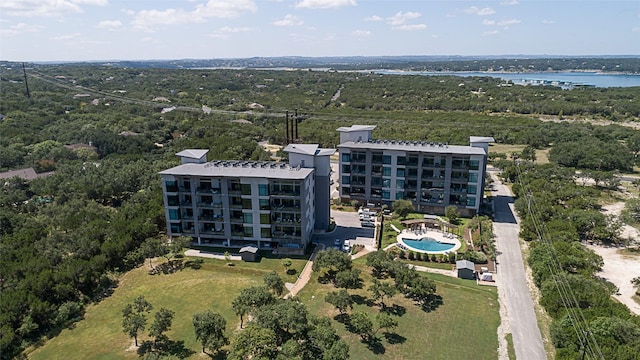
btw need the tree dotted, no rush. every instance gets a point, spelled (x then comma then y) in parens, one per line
(338, 351)
(333, 261)
(255, 343)
(528, 153)
(249, 299)
(348, 279)
(286, 263)
(134, 319)
(403, 208)
(209, 328)
(178, 244)
(274, 283)
(362, 325)
(385, 321)
(636, 284)
(161, 323)
(340, 299)
(452, 213)
(152, 247)
(381, 289)
(380, 262)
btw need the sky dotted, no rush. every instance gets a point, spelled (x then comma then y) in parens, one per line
(87, 30)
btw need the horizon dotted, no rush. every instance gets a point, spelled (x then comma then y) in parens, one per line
(106, 30)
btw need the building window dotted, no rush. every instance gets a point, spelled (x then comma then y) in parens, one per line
(346, 169)
(399, 195)
(473, 177)
(247, 204)
(186, 184)
(263, 189)
(346, 180)
(376, 181)
(247, 231)
(471, 201)
(386, 171)
(386, 194)
(474, 164)
(174, 214)
(247, 218)
(346, 157)
(400, 184)
(176, 228)
(171, 186)
(173, 200)
(472, 189)
(264, 204)
(401, 160)
(246, 189)
(386, 183)
(265, 219)
(400, 173)
(386, 159)
(265, 233)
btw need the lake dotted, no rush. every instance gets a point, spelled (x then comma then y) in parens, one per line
(576, 78)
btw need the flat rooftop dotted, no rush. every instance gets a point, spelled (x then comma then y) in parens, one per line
(414, 146)
(237, 168)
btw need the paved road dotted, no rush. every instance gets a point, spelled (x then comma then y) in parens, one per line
(512, 286)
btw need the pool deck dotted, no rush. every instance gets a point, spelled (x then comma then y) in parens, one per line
(439, 236)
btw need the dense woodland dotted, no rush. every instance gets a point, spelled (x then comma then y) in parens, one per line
(64, 238)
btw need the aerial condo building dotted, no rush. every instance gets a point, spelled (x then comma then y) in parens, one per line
(431, 175)
(238, 203)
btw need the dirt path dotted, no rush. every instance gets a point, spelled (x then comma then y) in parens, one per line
(305, 274)
(618, 268)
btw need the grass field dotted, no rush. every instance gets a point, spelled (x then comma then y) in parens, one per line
(464, 325)
(213, 286)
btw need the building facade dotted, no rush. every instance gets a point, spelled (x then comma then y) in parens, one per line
(239, 203)
(431, 175)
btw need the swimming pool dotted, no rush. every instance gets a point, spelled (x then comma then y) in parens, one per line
(427, 244)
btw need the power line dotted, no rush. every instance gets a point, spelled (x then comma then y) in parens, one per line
(579, 323)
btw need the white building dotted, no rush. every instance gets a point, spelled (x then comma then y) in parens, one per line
(431, 175)
(238, 203)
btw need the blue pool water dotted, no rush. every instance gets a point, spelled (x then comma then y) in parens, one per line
(428, 244)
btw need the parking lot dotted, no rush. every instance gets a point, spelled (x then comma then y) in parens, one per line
(348, 227)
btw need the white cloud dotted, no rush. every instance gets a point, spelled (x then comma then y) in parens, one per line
(361, 33)
(510, 2)
(479, 11)
(501, 23)
(223, 32)
(410, 27)
(490, 33)
(35, 8)
(547, 22)
(373, 18)
(636, 29)
(225, 9)
(112, 25)
(325, 4)
(400, 18)
(66, 37)
(20, 28)
(288, 20)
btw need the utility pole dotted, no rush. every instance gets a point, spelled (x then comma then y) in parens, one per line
(26, 84)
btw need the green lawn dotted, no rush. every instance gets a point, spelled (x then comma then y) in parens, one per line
(213, 286)
(464, 325)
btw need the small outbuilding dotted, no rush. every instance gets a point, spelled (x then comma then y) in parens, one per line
(249, 254)
(466, 269)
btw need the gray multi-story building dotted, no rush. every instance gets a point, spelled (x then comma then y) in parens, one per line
(431, 175)
(237, 203)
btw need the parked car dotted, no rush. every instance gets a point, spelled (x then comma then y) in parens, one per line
(336, 242)
(346, 248)
(367, 224)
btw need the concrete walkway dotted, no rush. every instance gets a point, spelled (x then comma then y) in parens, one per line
(305, 274)
(209, 255)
